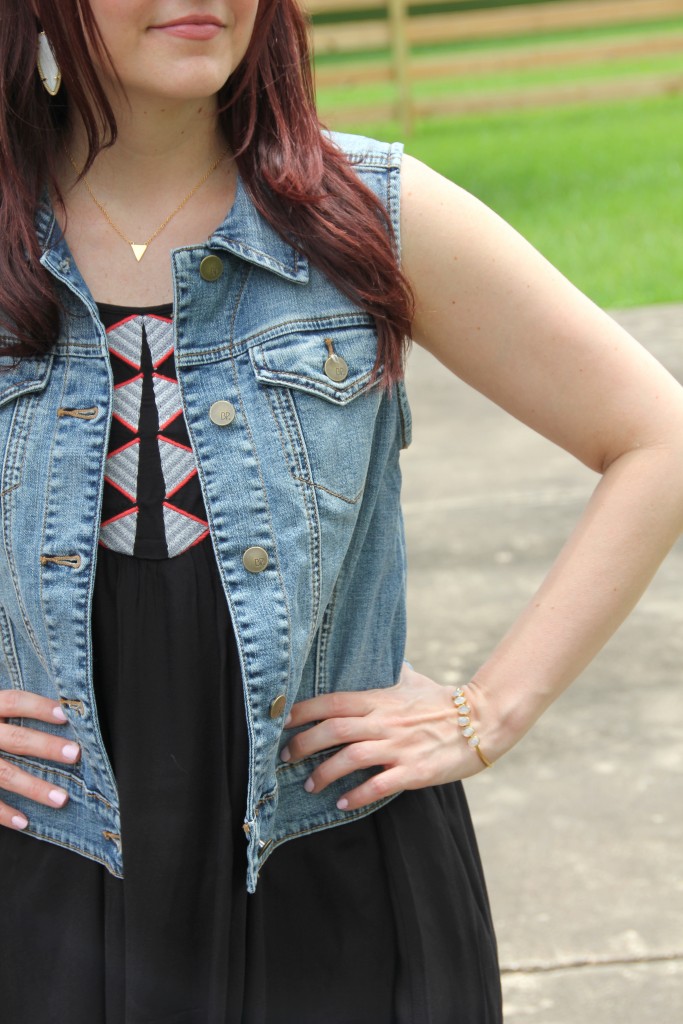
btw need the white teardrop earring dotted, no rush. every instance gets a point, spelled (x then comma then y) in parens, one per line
(48, 68)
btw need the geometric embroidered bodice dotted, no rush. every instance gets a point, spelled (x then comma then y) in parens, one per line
(152, 504)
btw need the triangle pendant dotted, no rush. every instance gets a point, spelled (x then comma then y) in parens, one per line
(138, 250)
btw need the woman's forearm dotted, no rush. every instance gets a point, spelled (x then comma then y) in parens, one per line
(633, 518)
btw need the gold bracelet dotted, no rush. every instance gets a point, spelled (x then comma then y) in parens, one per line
(463, 709)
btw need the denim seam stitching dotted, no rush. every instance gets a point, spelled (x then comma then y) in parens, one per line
(323, 641)
(11, 658)
(226, 350)
(249, 716)
(9, 460)
(290, 422)
(264, 492)
(48, 480)
(50, 769)
(236, 306)
(270, 261)
(361, 812)
(105, 759)
(290, 458)
(357, 386)
(244, 658)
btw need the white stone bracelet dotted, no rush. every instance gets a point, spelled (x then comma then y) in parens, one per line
(465, 723)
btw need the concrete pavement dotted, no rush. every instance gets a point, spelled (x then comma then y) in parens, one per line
(581, 825)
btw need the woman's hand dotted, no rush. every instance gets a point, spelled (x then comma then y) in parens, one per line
(15, 739)
(410, 730)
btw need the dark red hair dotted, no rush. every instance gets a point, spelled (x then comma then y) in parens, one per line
(301, 183)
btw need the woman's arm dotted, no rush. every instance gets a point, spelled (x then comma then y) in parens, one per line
(502, 318)
(499, 316)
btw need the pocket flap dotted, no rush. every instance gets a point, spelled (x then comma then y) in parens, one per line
(22, 377)
(298, 360)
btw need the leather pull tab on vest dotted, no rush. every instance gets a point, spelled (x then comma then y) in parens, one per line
(79, 414)
(74, 705)
(70, 561)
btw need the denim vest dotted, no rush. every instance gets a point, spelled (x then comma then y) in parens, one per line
(300, 475)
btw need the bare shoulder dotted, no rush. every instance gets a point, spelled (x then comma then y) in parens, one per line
(424, 191)
(458, 252)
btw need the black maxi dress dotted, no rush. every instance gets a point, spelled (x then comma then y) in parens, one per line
(381, 921)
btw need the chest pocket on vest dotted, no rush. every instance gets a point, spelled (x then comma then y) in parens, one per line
(325, 400)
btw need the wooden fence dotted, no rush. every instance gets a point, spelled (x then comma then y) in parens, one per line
(389, 39)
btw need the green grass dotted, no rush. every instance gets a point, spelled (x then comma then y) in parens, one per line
(597, 188)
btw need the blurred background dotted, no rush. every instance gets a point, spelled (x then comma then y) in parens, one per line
(562, 115)
(565, 116)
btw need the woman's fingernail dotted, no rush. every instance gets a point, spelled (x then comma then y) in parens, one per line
(19, 821)
(285, 754)
(57, 797)
(58, 713)
(288, 720)
(309, 785)
(342, 804)
(71, 751)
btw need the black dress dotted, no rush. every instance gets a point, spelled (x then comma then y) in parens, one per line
(382, 921)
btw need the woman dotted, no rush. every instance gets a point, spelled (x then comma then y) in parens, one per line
(202, 571)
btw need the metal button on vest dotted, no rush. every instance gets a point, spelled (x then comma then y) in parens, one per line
(278, 706)
(336, 368)
(222, 413)
(255, 559)
(211, 268)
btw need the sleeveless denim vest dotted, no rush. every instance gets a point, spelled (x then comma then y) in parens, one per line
(299, 470)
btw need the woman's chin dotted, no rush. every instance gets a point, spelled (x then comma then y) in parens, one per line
(178, 87)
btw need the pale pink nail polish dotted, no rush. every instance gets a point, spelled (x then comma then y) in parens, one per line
(309, 785)
(57, 797)
(285, 754)
(19, 821)
(342, 804)
(288, 721)
(58, 713)
(71, 751)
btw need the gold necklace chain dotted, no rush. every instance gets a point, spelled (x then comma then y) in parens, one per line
(139, 248)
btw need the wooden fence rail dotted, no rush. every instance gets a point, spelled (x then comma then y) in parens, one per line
(394, 36)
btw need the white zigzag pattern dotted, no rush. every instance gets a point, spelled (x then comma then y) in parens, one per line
(159, 338)
(181, 531)
(125, 340)
(122, 469)
(177, 464)
(167, 398)
(127, 399)
(119, 535)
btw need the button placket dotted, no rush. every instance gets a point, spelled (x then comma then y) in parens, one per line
(242, 491)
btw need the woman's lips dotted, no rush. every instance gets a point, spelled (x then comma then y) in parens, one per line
(191, 29)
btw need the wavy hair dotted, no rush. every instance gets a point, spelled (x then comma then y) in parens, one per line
(298, 179)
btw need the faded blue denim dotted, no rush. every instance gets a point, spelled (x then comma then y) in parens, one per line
(308, 470)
